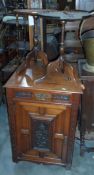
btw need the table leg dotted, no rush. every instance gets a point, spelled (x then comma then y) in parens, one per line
(62, 46)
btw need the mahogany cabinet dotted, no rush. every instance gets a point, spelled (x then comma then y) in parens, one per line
(42, 131)
(43, 113)
(87, 108)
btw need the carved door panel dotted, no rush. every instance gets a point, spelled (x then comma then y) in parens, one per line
(42, 131)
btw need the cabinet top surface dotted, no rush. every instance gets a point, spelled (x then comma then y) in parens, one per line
(34, 75)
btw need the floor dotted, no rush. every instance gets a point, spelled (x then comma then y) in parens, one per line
(81, 165)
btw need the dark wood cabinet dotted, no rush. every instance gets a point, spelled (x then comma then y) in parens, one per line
(43, 113)
(87, 107)
(42, 131)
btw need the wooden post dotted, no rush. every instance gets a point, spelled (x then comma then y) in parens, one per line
(29, 4)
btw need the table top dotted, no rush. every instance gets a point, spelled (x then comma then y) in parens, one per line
(54, 14)
(64, 15)
(31, 12)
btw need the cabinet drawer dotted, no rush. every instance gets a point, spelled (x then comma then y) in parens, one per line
(41, 96)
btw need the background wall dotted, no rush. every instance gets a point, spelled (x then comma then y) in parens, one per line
(85, 4)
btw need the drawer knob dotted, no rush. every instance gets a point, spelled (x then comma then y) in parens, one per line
(59, 136)
(25, 131)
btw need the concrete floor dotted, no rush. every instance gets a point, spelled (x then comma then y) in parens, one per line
(81, 165)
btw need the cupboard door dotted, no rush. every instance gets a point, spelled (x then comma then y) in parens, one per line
(42, 131)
